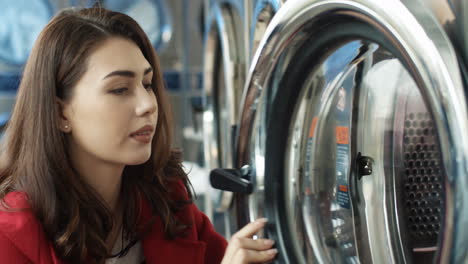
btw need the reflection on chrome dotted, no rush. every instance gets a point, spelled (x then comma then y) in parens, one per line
(263, 14)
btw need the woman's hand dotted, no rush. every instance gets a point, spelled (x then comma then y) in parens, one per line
(242, 249)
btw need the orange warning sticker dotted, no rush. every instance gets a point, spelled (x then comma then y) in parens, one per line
(343, 188)
(312, 127)
(342, 135)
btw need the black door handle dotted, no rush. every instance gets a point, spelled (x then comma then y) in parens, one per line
(231, 180)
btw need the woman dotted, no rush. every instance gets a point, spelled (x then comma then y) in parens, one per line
(88, 174)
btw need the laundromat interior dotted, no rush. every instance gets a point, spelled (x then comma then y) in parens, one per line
(343, 122)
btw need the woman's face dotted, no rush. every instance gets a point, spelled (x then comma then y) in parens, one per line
(110, 103)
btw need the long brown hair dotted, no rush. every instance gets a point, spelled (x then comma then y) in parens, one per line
(34, 152)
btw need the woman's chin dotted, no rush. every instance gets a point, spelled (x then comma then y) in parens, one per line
(138, 160)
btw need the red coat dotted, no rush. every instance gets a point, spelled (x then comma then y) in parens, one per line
(22, 238)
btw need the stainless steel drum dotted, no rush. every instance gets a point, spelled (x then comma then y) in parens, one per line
(352, 136)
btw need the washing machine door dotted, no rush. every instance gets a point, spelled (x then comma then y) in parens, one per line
(354, 127)
(224, 77)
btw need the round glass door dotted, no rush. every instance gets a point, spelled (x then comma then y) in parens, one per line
(351, 129)
(364, 168)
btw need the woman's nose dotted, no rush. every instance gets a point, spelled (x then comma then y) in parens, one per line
(146, 102)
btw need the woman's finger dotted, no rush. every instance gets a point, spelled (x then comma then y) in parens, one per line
(247, 231)
(251, 228)
(248, 243)
(253, 256)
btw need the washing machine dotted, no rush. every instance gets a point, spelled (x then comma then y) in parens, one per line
(17, 36)
(223, 81)
(153, 16)
(352, 134)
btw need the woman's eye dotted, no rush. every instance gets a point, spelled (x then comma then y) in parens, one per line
(148, 86)
(119, 91)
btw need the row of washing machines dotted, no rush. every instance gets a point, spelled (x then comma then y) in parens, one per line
(344, 122)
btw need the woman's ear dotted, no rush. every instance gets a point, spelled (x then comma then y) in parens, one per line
(63, 110)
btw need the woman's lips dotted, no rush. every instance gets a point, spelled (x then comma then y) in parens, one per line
(143, 137)
(144, 134)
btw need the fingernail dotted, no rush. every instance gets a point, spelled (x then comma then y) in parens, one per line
(261, 221)
(272, 251)
(269, 242)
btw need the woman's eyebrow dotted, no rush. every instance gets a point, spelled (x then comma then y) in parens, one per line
(126, 73)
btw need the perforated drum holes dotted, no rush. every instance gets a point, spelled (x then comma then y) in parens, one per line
(422, 180)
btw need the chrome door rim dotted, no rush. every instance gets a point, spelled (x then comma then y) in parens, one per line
(439, 70)
(264, 11)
